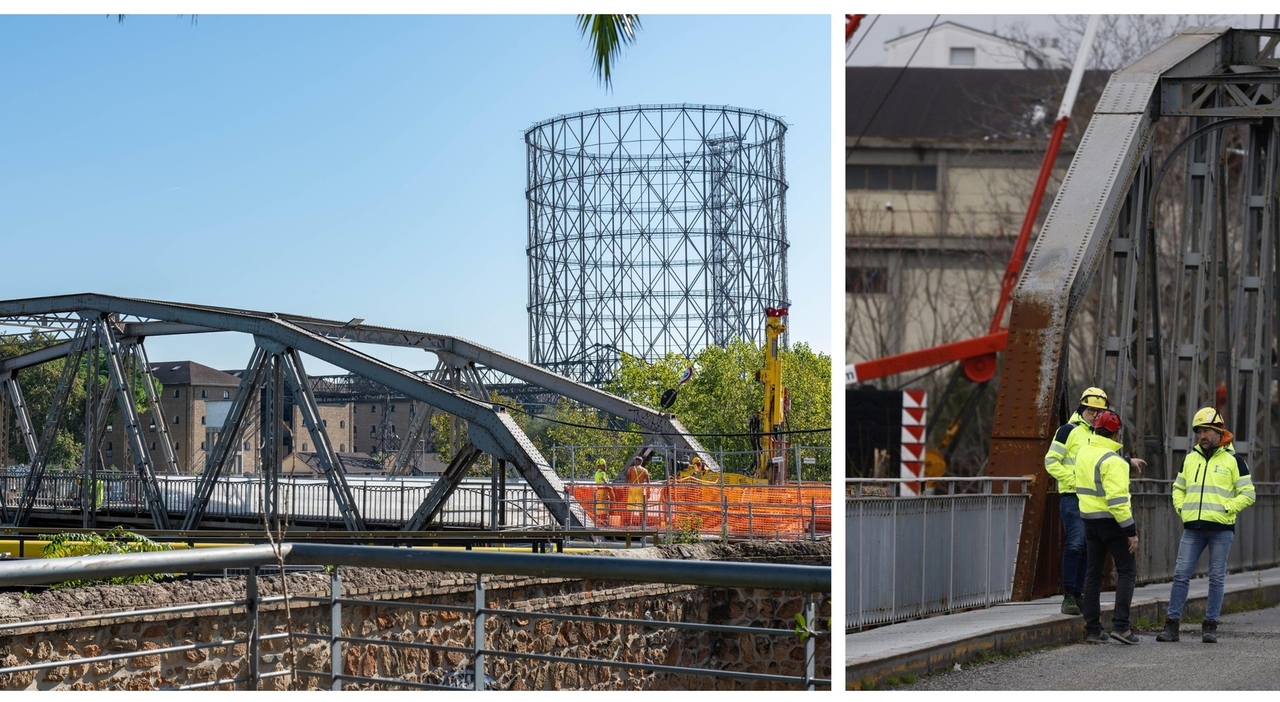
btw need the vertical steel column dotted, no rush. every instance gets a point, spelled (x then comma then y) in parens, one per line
(129, 417)
(92, 435)
(1192, 344)
(305, 400)
(1124, 296)
(71, 363)
(250, 383)
(479, 617)
(1250, 362)
(502, 493)
(810, 641)
(251, 651)
(273, 441)
(335, 629)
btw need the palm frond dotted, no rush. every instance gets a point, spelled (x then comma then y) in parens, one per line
(607, 35)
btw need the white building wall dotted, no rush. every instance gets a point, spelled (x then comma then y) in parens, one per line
(989, 51)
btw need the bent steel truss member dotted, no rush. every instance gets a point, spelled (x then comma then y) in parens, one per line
(490, 429)
(1104, 218)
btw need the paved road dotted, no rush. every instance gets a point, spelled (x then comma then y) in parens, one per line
(1246, 657)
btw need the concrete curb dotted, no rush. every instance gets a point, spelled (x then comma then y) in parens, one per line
(1046, 631)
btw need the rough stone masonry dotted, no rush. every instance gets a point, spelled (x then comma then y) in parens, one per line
(382, 620)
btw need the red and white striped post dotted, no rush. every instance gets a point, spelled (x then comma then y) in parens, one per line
(914, 405)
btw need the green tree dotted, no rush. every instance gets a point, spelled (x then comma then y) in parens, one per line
(39, 383)
(607, 35)
(718, 402)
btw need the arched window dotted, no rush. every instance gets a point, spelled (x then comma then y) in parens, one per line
(226, 395)
(342, 448)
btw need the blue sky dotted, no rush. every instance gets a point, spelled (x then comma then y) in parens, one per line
(352, 166)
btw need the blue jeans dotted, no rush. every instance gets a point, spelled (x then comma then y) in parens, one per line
(1074, 557)
(1189, 549)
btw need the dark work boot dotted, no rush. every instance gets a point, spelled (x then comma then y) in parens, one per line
(1071, 604)
(1209, 631)
(1170, 632)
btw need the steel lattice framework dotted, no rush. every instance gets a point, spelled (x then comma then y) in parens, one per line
(652, 228)
(1184, 304)
(110, 330)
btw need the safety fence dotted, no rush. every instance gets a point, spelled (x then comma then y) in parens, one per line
(785, 512)
(1257, 532)
(909, 557)
(248, 650)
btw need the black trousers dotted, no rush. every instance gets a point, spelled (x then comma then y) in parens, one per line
(1103, 536)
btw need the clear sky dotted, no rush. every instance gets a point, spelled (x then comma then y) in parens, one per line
(359, 166)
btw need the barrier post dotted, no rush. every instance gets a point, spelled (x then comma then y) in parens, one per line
(335, 630)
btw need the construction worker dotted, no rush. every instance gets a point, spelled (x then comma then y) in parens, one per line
(602, 475)
(1059, 462)
(1102, 486)
(636, 472)
(1213, 487)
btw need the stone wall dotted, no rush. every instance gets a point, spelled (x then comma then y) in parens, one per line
(383, 620)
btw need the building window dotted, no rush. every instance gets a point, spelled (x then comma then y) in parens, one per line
(153, 424)
(871, 177)
(175, 446)
(393, 408)
(226, 394)
(373, 409)
(342, 448)
(246, 446)
(202, 419)
(176, 418)
(110, 429)
(354, 449)
(342, 424)
(107, 450)
(153, 446)
(859, 281)
(393, 430)
(963, 56)
(304, 446)
(201, 445)
(175, 392)
(373, 432)
(324, 423)
(204, 394)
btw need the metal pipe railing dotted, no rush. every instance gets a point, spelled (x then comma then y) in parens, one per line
(794, 578)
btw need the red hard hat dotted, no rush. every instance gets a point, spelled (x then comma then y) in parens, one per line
(1108, 421)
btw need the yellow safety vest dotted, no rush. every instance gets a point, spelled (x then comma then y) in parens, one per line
(1213, 488)
(1102, 482)
(1060, 461)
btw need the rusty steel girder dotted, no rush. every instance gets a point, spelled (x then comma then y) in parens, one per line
(1103, 239)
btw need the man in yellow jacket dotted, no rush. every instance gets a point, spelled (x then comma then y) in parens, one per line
(1213, 487)
(1059, 462)
(1102, 486)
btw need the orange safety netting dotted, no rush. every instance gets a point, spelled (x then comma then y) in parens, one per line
(757, 511)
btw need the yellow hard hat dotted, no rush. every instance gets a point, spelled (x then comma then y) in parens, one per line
(1208, 417)
(1094, 397)
(599, 461)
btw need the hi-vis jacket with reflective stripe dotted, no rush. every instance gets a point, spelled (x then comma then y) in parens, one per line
(1102, 482)
(1212, 489)
(1060, 461)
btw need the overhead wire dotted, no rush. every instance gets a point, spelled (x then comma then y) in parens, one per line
(849, 54)
(894, 84)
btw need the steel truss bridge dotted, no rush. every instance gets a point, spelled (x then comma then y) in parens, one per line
(1182, 304)
(110, 332)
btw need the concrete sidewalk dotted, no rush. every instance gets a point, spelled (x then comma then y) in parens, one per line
(938, 643)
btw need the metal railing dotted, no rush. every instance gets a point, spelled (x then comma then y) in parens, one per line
(909, 557)
(813, 582)
(780, 512)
